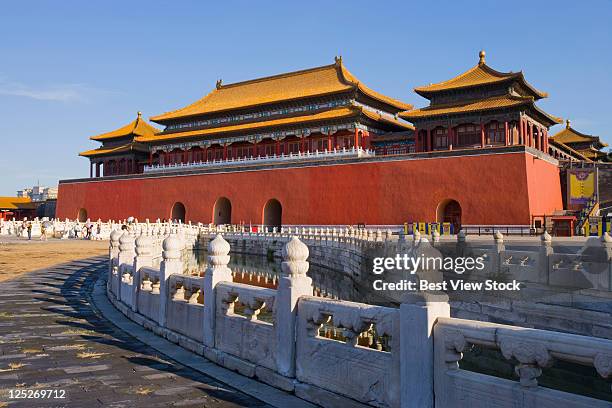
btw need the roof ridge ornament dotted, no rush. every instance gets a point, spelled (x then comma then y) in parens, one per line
(568, 124)
(481, 56)
(139, 114)
(219, 83)
(338, 59)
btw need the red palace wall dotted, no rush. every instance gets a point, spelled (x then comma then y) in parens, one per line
(501, 189)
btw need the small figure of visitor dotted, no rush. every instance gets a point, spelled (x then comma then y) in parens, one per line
(43, 232)
(29, 228)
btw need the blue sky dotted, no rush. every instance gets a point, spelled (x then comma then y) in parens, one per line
(72, 69)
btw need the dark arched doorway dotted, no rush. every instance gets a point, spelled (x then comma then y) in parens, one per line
(450, 211)
(222, 212)
(178, 212)
(82, 215)
(272, 213)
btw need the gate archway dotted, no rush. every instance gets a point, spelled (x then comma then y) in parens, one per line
(449, 210)
(178, 212)
(272, 213)
(222, 211)
(82, 216)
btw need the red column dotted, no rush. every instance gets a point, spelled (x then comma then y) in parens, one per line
(530, 133)
(428, 140)
(278, 147)
(205, 154)
(329, 142)
(507, 139)
(303, 144)
(356, 138)
(546, 141)
(416, 140)
(451, 138)
(482, 135)
(90, 169)
(224, 152)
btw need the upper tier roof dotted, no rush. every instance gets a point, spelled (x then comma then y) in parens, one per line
(570, 135)
(105, 151)
(138, 127)
(495, 102)
(325, 80)
(331, 114)
(479, 75)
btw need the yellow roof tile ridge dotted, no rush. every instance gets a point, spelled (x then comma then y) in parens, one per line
(482, 67)
(277, 76)
(353, 80)
(138, 127)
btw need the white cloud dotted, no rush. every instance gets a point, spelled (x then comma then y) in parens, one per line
(55, 92)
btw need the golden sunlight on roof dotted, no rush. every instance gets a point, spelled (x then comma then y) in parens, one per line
(138, 127)
(479, 75)
(328, 79)
(570, 135)
(15, 203)
(101, 151)
(471, 106)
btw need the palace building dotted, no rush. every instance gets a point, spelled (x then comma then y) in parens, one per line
(319, 147)
(481, 107)
(314, 110)
(581, 145)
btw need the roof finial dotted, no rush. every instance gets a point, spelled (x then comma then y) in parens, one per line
(219, 83)
(338, 59)
(139, 114)
(481, 55)
(568, 124)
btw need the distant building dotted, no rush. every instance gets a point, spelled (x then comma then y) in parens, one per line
(587, 146)
(17, 207)
(38, 193)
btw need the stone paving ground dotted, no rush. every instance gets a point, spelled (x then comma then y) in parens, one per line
(52, 338)
(19, 255)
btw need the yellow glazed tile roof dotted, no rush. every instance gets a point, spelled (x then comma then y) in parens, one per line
(479, 75)
(576, 153)
(112, 150)
(592, 153)
(337, 113)
(323, 80)
(138, 127)
(570, 135)
(478, 105)
(15, 203)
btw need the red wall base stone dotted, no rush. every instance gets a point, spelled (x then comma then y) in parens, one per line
(492, 189)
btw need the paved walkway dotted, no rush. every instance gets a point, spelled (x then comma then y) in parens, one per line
(51, 338)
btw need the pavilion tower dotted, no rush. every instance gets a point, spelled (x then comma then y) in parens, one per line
(480, 108)
(120, 153)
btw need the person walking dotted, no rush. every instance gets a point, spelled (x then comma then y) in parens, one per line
(29, 227)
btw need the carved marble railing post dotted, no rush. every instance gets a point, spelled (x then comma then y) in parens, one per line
(144, 257)
(416, 354)
(113, 254)
(171, 264)
(461, 243)
(292, 284)
(546, 250)
(435, 237)
(416, 237)
(126, 258)
(217, 271)
(606, 244)
(499, 249)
